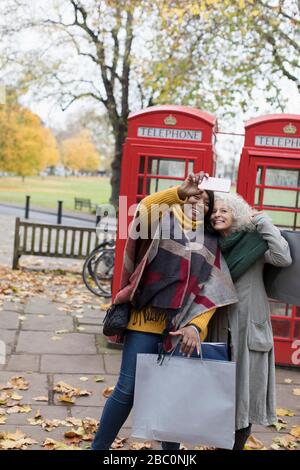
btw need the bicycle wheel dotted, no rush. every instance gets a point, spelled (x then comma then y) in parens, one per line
(103, 271)
(93, 256)
(88, 275)
(88, 269)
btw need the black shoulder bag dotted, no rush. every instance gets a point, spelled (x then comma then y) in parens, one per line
(116, 319)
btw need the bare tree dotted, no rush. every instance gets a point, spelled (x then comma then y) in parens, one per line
(113, 61)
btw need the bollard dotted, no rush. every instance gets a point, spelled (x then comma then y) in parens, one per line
(27, 204)
(59, 212)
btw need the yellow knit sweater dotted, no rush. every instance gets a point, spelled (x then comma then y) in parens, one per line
(147, 320)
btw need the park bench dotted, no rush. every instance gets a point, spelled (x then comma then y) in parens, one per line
(58, 241)
(80, 203)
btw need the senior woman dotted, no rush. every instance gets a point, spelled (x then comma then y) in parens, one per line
(248, 239)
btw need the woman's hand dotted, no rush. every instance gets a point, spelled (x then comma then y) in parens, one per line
(190, 185)
(254, 212)
(189, 341)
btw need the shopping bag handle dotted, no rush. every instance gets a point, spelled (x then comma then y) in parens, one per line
(199, 342)
(161, 356)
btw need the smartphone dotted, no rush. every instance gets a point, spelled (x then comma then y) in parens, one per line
(216, 184)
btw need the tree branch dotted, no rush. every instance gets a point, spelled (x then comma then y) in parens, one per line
(116, 50)
(281, 11)
(111, 102)
(81, 95)
(126, 66)
(289, 40)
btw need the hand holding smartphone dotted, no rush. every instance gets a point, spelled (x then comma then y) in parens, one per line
(215, 184)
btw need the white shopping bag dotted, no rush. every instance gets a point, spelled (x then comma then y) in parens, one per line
(185, 400)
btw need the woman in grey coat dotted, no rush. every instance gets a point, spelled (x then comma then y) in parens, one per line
(248, 239)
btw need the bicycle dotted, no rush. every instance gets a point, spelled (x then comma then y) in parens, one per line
(97, 271)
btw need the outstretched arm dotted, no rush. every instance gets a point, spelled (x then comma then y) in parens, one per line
(154, 206)
(278, 253)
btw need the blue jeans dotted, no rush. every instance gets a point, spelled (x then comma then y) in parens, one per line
(119, 404)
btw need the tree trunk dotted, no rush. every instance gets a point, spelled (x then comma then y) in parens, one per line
(116, 167)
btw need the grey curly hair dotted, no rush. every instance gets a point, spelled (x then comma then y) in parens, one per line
(241, 211)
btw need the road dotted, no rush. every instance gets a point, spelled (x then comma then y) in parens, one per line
(47, 217)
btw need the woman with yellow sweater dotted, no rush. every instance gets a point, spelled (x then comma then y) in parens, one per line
(148, 319)
(174, 286)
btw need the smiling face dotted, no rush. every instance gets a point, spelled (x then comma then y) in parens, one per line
(221, 218)
(201, 199)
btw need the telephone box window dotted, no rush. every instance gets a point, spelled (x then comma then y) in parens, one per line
(140, 185)
(257, 196)
(154, 172)
(281, 327)
(279, 188)
(280, 309)
(142, 165)
(282, 219)
(277, 198)
(297, 329)
(190, 167)
(282, 177)
(166, 167)
(259, 175)
(156, 184)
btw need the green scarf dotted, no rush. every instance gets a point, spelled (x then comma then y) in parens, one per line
(241, 250)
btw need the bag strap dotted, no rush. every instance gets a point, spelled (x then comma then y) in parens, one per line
(162, 354)
(199, 341)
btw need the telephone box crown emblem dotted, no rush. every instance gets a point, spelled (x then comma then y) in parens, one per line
(290, 129)
(170, 120)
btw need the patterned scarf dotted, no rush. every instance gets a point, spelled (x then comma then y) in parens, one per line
(174, 281)
(177, 270)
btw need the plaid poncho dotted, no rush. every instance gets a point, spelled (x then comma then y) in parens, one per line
(159, 272)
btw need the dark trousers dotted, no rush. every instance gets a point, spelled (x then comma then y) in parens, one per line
(241, 436)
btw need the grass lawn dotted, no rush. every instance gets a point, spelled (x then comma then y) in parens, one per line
(46, 191)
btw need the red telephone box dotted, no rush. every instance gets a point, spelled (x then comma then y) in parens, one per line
(164, 144)
(269, 179)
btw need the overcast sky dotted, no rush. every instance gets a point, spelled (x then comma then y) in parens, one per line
(54, 117)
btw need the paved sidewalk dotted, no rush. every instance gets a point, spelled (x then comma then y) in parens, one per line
(48, 342)
(46, 345)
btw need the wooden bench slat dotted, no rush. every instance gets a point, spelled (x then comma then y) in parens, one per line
(80, 243)
(65, 241)
(28, 233)
(73, 242)
(49, 239)
(32, 240)
(41, 239)
(25, 238)
(57, 241)
(88, 246)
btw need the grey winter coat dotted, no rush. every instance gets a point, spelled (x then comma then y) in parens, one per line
(251, 333)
